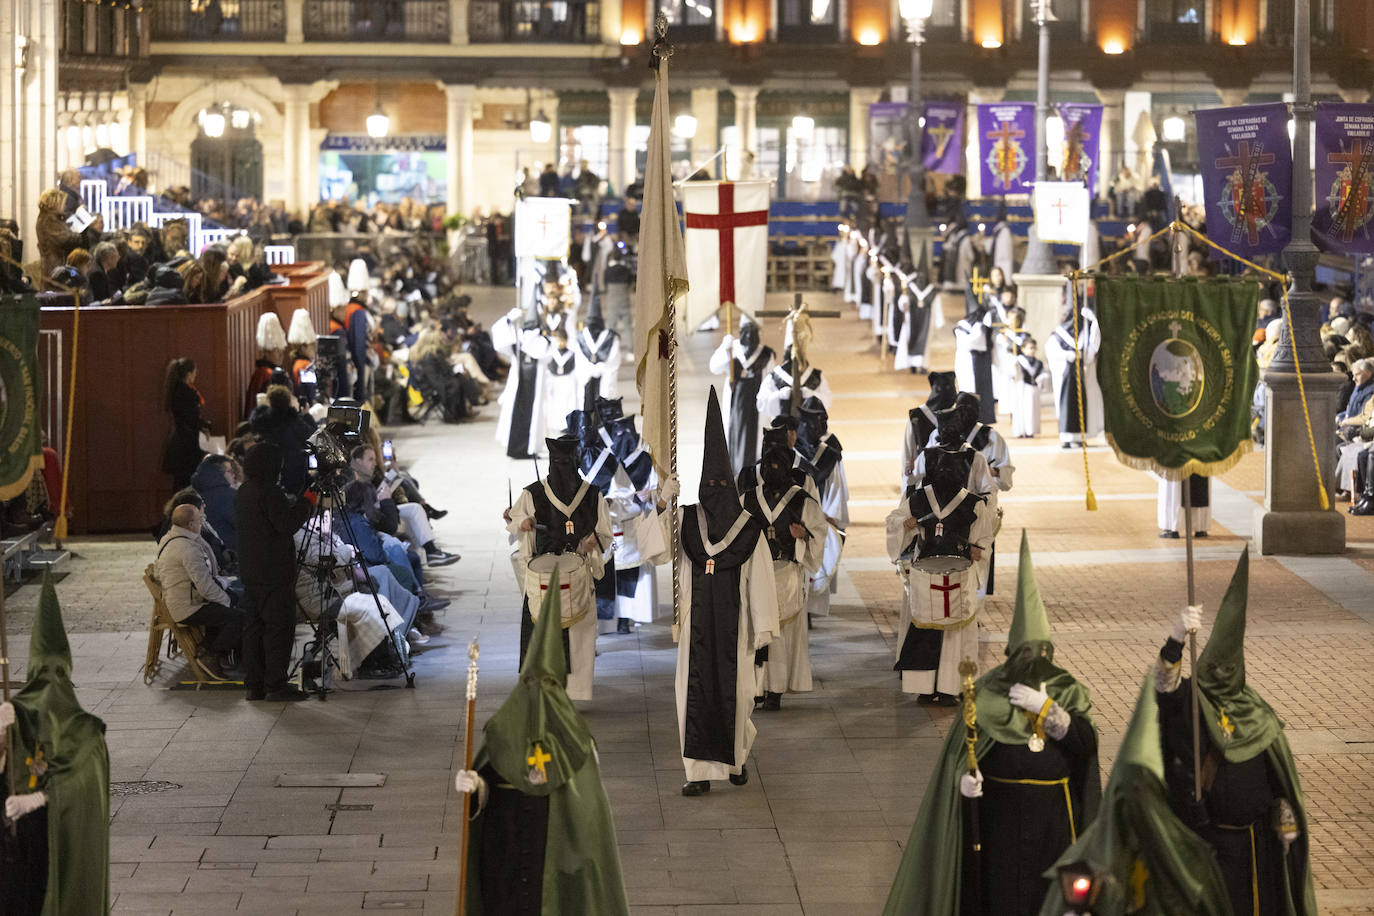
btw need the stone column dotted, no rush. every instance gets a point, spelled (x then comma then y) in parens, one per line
(860, 141)
(459, 147)
(296, 149)
(622, 150)
(458, 22)
(1113, 138)
(706, 109)
(746, 127)
(295, 22)
(138, 121)
(35, 114)
(611, 23)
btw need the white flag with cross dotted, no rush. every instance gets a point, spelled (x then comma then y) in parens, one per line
(543, 227)
(1062, 211)
(727, 246)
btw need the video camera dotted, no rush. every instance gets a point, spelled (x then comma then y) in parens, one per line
(332, 444)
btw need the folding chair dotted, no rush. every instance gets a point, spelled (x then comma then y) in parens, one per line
(181, 640)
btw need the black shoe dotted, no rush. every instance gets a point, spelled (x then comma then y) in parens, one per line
(810, 622)
(1066, 445)
(1199, 534)
(700, 787)
(1364, 507)
(772, 701)
(434, 513)
(623, 625)
(287, 694)
(256, 695)
(741, 778)
(758, 700)
(1169, 535)
(439, 558)
(944, 699)
(926, 699)
(430, 604)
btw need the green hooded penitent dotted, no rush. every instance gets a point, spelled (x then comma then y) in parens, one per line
(60, 748)
(928, 882)
(1242, 725)
(539, 747)
(1143, 859)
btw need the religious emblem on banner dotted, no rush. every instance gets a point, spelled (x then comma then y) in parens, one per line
(1006, 132)
(726, 246)
(1249, 199)
(1345, 178)
(1177, 373)
(21, 452)
(1007, 158)
(1349, 198)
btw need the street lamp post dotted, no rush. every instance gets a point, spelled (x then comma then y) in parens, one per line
(915, 13)
(1292, 519)
(1038, 260)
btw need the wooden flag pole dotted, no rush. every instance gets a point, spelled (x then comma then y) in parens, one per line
(473, 652)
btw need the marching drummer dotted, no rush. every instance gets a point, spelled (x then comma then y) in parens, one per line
(562, 522)
(938, 536)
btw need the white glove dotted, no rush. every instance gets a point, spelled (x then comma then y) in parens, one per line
(1028, 698)
(971, 784)
(16, 806)
(6, 717)
(669, 490)
(1189, 619)
(467, 781)
(727, 340)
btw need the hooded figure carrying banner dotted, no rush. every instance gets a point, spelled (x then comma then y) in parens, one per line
(55, 787)
(729, 610)
(542, 841)
(745, 362)
(794, 530)
(1137, 857)
(562, 522)
(1036, 785)
(1251, 812)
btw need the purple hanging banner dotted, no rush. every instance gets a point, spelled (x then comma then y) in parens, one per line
(1006, 147)
(1082, 143)
(942, 142)
(1247, 176)
(1345, 178)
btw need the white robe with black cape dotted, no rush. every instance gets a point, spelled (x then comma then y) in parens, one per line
(520, 429)
(743, 425)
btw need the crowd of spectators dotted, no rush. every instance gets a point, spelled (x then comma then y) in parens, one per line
(1349, 345)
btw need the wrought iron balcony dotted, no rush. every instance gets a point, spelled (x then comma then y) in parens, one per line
(543, 21)
(218, 20)
(92, 31)
(377, 20)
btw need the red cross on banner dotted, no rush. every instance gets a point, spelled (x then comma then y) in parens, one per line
(727, 245)
(945, 590)
(1247, 187)
(1353, 211)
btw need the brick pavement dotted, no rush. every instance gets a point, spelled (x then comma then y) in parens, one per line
(837, 776)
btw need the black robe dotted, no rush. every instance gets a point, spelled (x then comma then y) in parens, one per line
(1068, 383)
(921, 648)
(525, 373)
(743, 423)
(551, 535)
(923, 426)
(709, 723)
(982, 378)
(823, 459)
(597, 465)
(1026, 826)
(918, 322)
(595, 354)
(1237, 805)
(514, 833)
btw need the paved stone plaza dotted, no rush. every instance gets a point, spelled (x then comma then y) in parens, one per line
(201, 826)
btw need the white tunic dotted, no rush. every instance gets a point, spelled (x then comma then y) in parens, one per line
(604, 371)
(510, 339)
(789, 657)
(834, 503)
(1059, 355)
(632, 518)
(913, 298)
(1169, 508)
(1025, 398)
(968, 338)
(562, 392)
(776, 391)
(582, 634)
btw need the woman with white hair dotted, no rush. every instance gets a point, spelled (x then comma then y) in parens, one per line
(1351, 424)
(247, 269)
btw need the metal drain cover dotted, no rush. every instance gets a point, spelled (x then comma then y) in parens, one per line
(140, 787)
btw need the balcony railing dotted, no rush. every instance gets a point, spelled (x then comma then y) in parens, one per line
(546, 21)
(376, 20)
(219, 20)
(92, 30)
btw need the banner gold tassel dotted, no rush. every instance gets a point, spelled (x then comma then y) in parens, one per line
(1090, 498)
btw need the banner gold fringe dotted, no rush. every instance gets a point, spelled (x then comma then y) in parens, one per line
(1203, 468)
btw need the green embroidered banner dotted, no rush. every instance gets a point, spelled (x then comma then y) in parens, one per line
(21, 444)
(1177, 372)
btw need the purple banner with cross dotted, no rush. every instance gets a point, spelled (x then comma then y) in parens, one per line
(1006, 147)
(942, 141)
(1082, 143)
(1344, 218)
(1247, 177)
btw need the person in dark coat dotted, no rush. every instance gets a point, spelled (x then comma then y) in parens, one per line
(267, 520)
(280, 421)
(215, 480)
(182, 453)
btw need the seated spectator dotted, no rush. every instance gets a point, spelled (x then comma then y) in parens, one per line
(207, 278)
(216, 479)
(174, 238)
(165, 287)
(103, 278)
(1363, 374)
(359, 519)
(247, 271)
(79, 260)
(433, 374)
(134, 257)
(194, 592)
(280, 421)
(388, 486)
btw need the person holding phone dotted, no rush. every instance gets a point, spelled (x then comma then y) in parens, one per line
(394, 513)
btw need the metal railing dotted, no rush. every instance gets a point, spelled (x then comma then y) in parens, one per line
(376, 20)
(94, 30)
(539, 21)
(219, 20)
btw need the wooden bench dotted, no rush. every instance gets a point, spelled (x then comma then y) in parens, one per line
(181, 640)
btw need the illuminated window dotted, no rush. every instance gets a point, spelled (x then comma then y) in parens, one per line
(808, 20)
(692, 20)
(1176, 20)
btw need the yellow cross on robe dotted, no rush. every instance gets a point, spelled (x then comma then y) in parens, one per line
(537, 761)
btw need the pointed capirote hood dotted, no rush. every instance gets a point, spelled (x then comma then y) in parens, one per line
(1239, 721)
(1142, 745)
(1030, 624)
(48, 646)
(716, 492)
(537, 740)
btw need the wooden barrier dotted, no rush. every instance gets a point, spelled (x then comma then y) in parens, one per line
(116, 480)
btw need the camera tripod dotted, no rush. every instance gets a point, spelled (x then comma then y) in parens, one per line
(316, 554)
